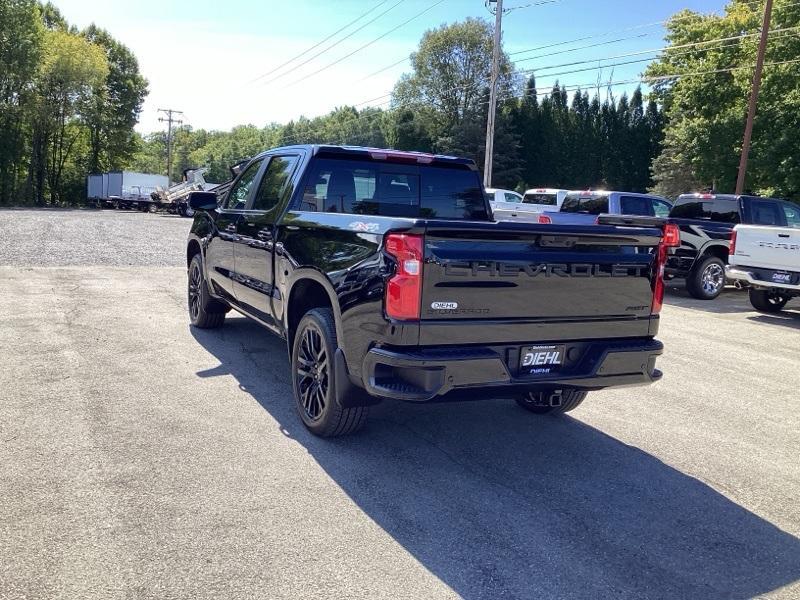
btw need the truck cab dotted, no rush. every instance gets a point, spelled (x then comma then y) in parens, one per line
(706, 222)
(585, 207)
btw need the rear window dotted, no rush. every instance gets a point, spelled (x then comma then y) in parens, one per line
(636, 205)
(716, 209)
(765, 212)
(540, 198)
(380, 188)
(592, 205)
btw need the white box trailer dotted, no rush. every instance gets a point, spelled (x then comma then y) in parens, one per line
(126, 189)
(94, 188)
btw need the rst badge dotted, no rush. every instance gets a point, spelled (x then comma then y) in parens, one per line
(541, 360)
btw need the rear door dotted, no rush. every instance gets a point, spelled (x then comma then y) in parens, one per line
(255, 239)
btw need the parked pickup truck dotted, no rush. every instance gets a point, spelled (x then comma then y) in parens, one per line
(767, 259)
(388, 279)
(527, 208)
(584, 207)
(706, 222)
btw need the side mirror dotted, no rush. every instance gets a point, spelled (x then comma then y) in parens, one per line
(203, 200)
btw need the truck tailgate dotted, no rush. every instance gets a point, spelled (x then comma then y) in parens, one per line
(767, 247)
(518, 277)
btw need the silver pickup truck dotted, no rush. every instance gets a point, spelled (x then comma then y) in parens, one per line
(767, 259)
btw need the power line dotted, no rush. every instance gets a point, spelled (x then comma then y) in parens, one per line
(318, 44)
(623, 30)
(349, 35)
(359, 49)
(569, 88)
(379, 71)
(665, 48)
(662, 50)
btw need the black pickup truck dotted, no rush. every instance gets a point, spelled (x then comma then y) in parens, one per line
(388, 278)
(706, 223)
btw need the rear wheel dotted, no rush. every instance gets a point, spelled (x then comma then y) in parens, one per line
(541, 403)
(707, 279)
(769, 301)
(204, 311)
(314, 378)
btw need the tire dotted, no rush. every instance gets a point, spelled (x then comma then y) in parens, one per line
(204, 311)
(570, 400)
(314, 378)
(152, 208)
(767, 301)
(707, 279)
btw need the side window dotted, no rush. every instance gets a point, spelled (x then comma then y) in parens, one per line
(766, 213)
(661, 208)
(275, 182)
(792, 215)
(237, 197)
(636, 205)
(511, 197)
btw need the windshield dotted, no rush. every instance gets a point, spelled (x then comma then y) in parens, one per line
(592, 205)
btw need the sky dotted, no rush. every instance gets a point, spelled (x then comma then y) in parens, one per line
(210, 59)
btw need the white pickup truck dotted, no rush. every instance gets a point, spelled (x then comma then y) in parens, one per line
(768, 260)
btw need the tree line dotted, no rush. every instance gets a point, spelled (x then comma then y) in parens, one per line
(69, 101)
(70, 116)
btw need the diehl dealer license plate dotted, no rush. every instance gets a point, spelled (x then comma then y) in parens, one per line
(541, 360)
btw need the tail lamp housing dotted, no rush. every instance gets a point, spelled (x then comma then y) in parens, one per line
(544, 219)
(404, 288)
(671, 238)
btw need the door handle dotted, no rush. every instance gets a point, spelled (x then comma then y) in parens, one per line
(265, 235)
(231, 228)
(783, 235)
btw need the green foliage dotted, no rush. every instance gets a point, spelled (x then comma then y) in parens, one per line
(706, 112)
(21, 38)
(68, 104)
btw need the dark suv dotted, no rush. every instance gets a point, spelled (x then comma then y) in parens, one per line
(706, 223)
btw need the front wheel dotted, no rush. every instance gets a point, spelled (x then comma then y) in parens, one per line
(707, 279)
(768, 301)
(204, 311)
(314, 378)
(541, 403)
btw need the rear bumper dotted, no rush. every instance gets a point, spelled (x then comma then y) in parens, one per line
(448, 373)
(760, 278)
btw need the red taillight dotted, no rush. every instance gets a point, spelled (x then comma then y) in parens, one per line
(732, 251)
(545, 220)
(672, 235)
(404, 290)
(658, 285)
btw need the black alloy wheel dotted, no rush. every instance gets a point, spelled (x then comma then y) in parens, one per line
(314, 378)
(313, 382)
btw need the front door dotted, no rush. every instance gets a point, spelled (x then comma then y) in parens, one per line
(220, 268)
(255, 245)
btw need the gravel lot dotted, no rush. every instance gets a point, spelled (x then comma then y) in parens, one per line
(142, 459)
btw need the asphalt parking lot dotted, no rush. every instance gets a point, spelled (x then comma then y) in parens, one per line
(144, 459)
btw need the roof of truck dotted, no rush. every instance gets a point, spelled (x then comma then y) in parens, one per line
(376, 153)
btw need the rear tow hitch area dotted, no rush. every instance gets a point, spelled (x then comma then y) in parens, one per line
(546, 399)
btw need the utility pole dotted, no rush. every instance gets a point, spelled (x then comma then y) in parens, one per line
(169, 119)
(498, 30)
(751, 111)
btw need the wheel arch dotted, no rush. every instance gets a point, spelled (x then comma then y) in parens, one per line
(310, 289)
(193, 248)
(721, 251)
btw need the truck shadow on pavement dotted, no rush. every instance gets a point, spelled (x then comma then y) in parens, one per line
(496, 502)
